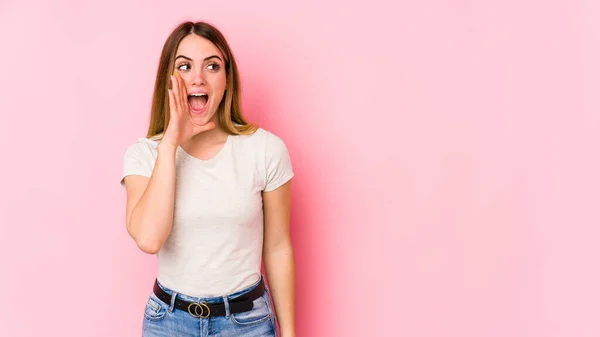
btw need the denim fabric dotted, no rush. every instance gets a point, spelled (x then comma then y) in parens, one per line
(163, 320)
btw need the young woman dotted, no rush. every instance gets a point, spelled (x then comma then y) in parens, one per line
(210, 195)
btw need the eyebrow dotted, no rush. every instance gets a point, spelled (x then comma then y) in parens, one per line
(205, 59)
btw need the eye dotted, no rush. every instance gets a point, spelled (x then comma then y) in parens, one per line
(214, 66)
(183, 65)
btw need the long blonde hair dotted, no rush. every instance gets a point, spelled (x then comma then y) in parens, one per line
(229, 113)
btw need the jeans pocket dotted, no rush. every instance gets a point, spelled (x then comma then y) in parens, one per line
(155, 309)
(260, 313)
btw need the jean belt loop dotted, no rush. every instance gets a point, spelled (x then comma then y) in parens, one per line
(172, 305)
(226, 302)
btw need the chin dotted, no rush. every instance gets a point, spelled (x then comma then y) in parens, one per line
(202, 119)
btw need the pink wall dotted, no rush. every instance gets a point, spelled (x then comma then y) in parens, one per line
(446, 155)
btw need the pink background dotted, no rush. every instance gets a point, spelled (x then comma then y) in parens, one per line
(446, 155)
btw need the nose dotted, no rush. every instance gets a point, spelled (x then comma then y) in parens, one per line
(198, 77)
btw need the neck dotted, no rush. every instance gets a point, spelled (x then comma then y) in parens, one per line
(210, 137)
(207, 139)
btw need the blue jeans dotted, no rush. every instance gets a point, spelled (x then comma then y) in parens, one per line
(163, 320)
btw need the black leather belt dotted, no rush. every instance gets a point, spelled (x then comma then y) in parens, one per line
(204, 310)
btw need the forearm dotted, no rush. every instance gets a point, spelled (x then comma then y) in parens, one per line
(279, 267)
(152, 217)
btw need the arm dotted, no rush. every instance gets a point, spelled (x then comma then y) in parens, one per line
(150, 202)
(278, 255)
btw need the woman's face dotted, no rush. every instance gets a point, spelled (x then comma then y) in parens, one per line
(202, 67)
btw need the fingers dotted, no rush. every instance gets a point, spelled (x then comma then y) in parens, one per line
(183, 95)
(182, 103)
(175, 93)
(172, 106)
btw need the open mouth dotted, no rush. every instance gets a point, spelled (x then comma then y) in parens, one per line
(197, 102)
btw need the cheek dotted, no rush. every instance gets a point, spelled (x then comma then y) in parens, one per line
(222, 81)
(187, 79)
(219, 84)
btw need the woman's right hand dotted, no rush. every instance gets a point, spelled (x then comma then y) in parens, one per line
(181, 127)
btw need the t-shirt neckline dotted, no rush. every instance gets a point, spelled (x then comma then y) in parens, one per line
(210, 160)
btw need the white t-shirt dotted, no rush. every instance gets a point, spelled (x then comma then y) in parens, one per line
(215, 245)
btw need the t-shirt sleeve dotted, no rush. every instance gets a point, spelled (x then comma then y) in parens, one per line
(278, 163)
(138, 160)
